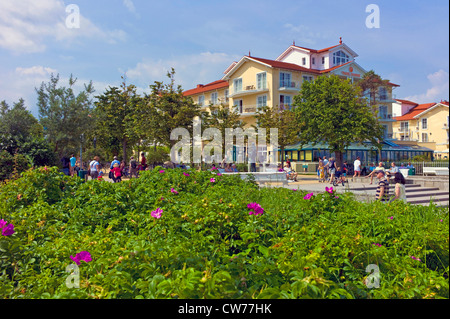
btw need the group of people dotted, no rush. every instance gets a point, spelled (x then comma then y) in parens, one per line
(328, 170)
(291, 175)
(118, 169)
(385, 177)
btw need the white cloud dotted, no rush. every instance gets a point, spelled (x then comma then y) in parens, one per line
(189, 69)
(438, 91)
(129, 5)
(26, 25)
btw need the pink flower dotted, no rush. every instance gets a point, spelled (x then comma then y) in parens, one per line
(376, 244)
(185, 174)
(161, 171)
(392, 217)
(84, 255)
(157, 213)
(295, 189)
(255, 209)
(415, 258)
(308, 196)
(218, 174)
(7, 230)
(212, 180)
(329, 190)
(172, 190)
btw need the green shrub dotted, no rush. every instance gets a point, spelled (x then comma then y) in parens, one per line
(207, 245)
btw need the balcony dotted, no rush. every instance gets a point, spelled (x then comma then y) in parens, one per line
(289, 86)
(385, 117)
(246, 110)
(250, 89)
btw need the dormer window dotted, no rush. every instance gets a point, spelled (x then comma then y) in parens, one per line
(340, 57)
(304, 61)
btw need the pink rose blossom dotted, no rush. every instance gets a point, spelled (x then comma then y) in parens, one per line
(84, 255)
(255, 209)
(308, 196)
(157, 213)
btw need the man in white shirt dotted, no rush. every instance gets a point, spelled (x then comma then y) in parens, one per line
(357, 167)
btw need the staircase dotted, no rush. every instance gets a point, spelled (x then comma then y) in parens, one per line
(415, 193)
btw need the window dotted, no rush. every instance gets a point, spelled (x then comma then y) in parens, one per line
(238, 106)
(285, 102)
(404, 126)
(382, 92)
(424, 124)
(261, 81)
(237, 85)
(424, 137)
(285, 79)
(383, 112)
(214, 98)
(307, 78)
(227, 95)
(313, 60)
(201, 100)
(261, 101)
(304, 61)
(340, 57)
(323, 60)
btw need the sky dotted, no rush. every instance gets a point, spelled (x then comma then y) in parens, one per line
(101, 41)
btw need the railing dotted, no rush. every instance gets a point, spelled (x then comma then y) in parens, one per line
(420, 165)
(289, 85)
(385, 116)
(246, 109)
(251, 88)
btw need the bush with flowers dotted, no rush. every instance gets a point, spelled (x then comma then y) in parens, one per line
(176, 233)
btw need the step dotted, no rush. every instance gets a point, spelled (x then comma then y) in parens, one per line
(374, 187)
(426, 199)
(415, 194)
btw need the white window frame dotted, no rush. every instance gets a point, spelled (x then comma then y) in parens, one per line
(323, 60)
(284, 80)
(340, 57)
(308, 78)
(238, 106)
(214, 98)
(237, 84)
(424, 124)
(201, 100)
(227, 95)
(261, 100)
(303, 61)
(261, 81)
(284, 100)
(404, 126)
(425, 140)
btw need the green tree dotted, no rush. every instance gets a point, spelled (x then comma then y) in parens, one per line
(113, 114)
(64, 115)
(370, 84)
(169, 109)
(283, 119)
(331, 111)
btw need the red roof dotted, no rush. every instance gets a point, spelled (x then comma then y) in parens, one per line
(317, 51)
(219, 84)
(414, 111)
(406, 102)
(295, 67)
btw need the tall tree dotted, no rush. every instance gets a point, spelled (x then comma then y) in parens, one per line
(330, 110)
(113, 114)
(63, 114)
(370, 84)
(282, 118)
(171, 109)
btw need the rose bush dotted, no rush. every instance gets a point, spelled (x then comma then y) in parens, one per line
(177, 234)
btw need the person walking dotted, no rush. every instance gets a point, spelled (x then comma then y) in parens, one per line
(94, 167)
(325, 166)
(332, 169)
(400, 191)
(133, 167)
(117, 175)
(382, 194)
(143, 161)
(73, 163)
(357, 167)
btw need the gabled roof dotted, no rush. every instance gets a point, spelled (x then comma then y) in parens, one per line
(219, 84)
(296, 47)
(406, 102)
(411, 115)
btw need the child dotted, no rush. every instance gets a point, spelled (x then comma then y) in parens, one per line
(321, 172)
(117, 177)
(338, 175)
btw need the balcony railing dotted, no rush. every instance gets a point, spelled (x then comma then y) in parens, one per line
(246, 109)
(385, 116)
(249, 89)
(289, 85)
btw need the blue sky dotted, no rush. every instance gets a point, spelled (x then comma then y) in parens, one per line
(200, 39)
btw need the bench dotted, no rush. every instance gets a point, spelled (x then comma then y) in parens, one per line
(264, 177)
(435, 170)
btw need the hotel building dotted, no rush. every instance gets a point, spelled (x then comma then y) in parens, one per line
(253, 82)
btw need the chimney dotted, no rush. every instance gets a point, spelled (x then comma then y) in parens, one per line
(340, 40)
(199, 86)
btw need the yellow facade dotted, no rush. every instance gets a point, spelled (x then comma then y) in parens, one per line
(429, 128)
